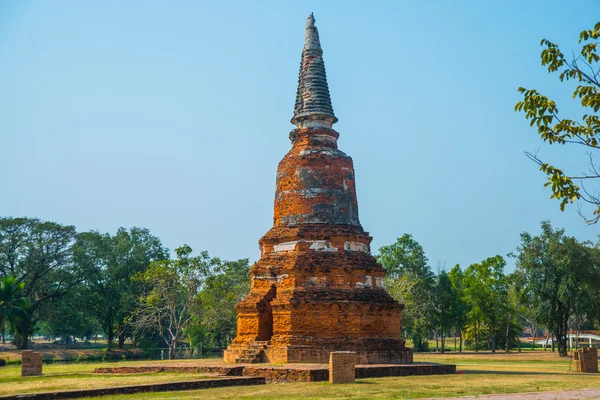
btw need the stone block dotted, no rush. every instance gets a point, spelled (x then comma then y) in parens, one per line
(31, 363)
(342, 366)
(586, 360)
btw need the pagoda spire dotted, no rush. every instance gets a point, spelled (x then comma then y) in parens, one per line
(313, 102)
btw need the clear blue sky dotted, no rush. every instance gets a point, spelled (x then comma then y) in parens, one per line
(174, 115)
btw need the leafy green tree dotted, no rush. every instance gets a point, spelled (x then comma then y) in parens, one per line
(410, 281)
(514, 310)
(460, 307)
(562, 278)
(222, 291)
(171, 295)
(68, 316)
(13, 304)
(485, 289)
(112, 261)
(444, 300)
(555, 128)
(39, 255)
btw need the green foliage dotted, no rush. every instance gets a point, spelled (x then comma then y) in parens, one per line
(411, 282)
(38, 254)
(109, 292)
(552, 127)
(485, 290)
(14, 306)
(170, 299)
(222, 291)
(562, 279)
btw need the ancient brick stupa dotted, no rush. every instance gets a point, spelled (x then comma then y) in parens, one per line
(316, 287)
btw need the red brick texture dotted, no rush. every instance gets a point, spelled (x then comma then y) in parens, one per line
(586, 360)
(342, 366)
(31, 363)
(317, 288)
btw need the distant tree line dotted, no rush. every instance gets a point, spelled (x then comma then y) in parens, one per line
(555, 287)
(55, 281)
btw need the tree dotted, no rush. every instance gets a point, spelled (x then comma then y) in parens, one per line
(514, 309)
(13, 305)
(563, 279)
(461, 308)
(112, 262)
(555, 128)
(38, 254)
(410, 281)
(228, 285)
(171, 295)
(485, 289)
(444, 301)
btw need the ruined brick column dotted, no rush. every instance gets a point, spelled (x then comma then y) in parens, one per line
(316, 288)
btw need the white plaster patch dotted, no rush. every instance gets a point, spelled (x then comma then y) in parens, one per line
(265, 277)
(356, 246)
(322, 245)
(360, 285)
(379, 281)
(368, 281)
(327, 152)
(282, 277)
(312, 192)
(286, 246)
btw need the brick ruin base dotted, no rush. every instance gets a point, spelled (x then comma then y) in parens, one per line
(31, 363)
(342, 366)
(288, 372)
(586, 360)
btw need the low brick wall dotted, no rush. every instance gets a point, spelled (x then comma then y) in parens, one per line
(586, 360)
(155, 387)
(292, 373)
(31, 363)
(378, 371)
(278, 374)
(342, 366)
(218, 370)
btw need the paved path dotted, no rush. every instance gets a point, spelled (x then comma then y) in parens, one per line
(583, 394)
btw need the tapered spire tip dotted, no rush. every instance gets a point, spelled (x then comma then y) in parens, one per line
(313, 102)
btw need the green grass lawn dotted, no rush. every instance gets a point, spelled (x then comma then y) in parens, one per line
(482, 373)
(80, 376)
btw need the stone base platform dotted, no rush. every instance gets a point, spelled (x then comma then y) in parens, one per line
(286, 372)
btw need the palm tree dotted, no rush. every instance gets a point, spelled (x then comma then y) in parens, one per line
(13, 305)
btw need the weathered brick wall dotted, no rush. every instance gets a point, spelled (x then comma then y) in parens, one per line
(31, 363)
(586, 360)
(342, 366)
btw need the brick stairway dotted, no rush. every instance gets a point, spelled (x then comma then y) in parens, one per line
(253, 354)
